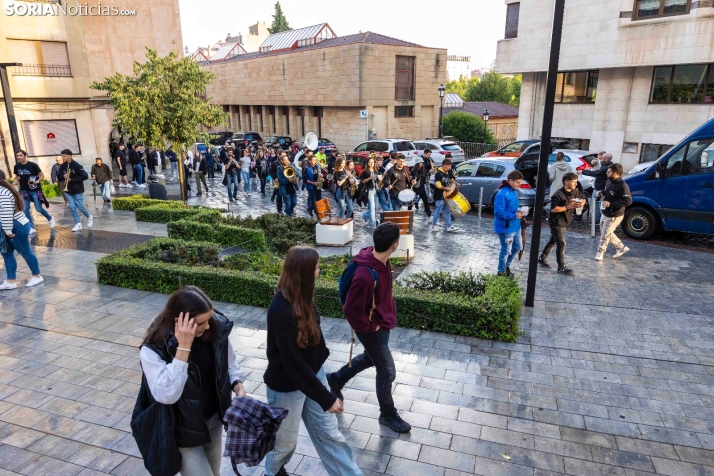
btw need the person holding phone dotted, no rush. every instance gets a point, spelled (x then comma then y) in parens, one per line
(31, 189)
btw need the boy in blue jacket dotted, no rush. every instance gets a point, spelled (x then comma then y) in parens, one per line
(507, 221)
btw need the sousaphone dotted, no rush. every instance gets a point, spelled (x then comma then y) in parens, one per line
(312, 143)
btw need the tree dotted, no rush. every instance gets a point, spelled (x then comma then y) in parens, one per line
(466, 127)
(280, 23)
(492, 87)
(516, 90)
(460, 86)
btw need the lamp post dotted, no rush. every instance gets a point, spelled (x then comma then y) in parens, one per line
(10, 110)
(442, 90)
(485, 124)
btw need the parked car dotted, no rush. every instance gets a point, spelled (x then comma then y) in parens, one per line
(383, 147)
(488, 173)
(527, 163)
(321, 142)
(639, 168)
(219, 138)
(676, 192)
(579, 160)
(439, 148)
(285, 141)
(514, 149)
(245, 139)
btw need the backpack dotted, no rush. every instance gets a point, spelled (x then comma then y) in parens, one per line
(344, 284)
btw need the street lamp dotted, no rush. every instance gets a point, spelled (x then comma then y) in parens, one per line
(10, 110)
(485, 124)
(442, 90)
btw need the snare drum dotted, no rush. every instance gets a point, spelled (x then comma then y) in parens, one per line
(458, 204)
(407, 197)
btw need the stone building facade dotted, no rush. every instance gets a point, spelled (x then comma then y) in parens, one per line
(62, 55)
(636, 77)
(323, 87)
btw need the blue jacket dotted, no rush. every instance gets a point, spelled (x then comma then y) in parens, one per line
(506, 205)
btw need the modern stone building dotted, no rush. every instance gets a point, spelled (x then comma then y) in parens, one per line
(310, 80)
(62, 55)
(636, 76)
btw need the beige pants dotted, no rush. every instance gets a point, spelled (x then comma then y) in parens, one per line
(607, 233)
(205, 460)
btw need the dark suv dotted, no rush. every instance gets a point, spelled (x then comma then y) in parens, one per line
(219, 138)
(245, 139)
(284, 141)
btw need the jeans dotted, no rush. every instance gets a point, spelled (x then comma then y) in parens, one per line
(211, 170)
(345, 202)
(205, 460)
(607, 233)
(174, 169)
(200, 177)
(441, 205)
(232, 180)
(371, 212)
(376, 354)
(139, 174)
(38, 206)
(384, 201)
(290, 201)
(76, 202)
(335, 454)
(313, 196)
(246, 182)
(511, 244)
(395, 204)
(421, 194)
(106, 189)
(557, 238)
(262, 178)
(21, 244)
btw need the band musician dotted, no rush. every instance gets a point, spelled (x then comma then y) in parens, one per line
(446, 184)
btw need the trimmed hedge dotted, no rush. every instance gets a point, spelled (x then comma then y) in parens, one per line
(141, 201)
(491, 315)
(161, 214)
(226, 235)
(50, 190)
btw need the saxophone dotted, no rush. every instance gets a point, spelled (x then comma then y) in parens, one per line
(353, 185)
(321, 179)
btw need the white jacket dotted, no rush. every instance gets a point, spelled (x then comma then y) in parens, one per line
(555, 173)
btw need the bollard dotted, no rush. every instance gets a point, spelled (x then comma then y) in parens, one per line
(593, 214)
(480, 201)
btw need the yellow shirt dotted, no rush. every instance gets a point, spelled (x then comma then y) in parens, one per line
(321, 159)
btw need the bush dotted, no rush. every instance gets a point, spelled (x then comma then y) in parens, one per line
(226, 235)
(50, 190)
(467, 283)
(466, 127)
(262, 262)
(281, 232)
(141, 201)
(162, 214)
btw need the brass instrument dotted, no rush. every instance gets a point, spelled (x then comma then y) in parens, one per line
(330, 177)
(353, 184)
(291, 175)
(66, 180)
(321, 178)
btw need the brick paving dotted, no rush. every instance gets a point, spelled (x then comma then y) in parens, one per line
(613, 375)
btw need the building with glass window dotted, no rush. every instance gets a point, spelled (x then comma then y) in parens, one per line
(347, 89)
(636, 75)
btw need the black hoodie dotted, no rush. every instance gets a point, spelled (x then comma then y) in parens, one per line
(617, 192)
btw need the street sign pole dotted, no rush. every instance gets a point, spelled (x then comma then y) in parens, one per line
(9, 108)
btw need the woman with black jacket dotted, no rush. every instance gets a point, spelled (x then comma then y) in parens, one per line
(189, 363)
(295, 376)
(420, 180)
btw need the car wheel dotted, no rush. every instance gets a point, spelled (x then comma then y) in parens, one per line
(640, 223)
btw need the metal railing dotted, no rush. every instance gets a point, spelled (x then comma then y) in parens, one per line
(473, 150)
(52, 70)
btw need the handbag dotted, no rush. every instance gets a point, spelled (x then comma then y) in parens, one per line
(112, 190)
(3, 241)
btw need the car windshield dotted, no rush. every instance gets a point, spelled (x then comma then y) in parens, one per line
(451, 146)
(325, 142)
(404, 145)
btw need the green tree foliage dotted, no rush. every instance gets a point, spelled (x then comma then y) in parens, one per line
(466, 127)
(164, 101)
(461, 85)
(280, 23)
(516, 90)
(492, 87)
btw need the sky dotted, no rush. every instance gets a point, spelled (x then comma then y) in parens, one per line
(464, 27)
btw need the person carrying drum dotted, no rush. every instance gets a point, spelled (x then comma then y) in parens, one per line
(420, 180)
(399, 180)
(445, 182)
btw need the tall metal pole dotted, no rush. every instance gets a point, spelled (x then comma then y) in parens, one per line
(441, 117)
(545, 148)
(7, 96)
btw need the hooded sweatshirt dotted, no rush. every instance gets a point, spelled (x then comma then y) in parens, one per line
(555, 173)
(505, 207)
(362, 291)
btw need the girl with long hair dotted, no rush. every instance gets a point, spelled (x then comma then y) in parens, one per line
(246, 166)
(261, 168)
(16, 227)
(342, 194)
(295, 377)
(369, 182)
(189, 363)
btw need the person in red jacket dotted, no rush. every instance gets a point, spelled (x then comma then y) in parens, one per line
(372, 313)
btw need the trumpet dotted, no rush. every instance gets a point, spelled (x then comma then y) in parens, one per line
(66, 180)
(380, 181)
(291, 175)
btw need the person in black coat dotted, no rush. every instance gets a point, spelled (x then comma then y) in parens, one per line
(75, 174)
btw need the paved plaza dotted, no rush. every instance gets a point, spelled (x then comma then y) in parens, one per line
(613, 375)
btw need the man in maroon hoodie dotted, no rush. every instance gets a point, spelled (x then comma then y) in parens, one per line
(372, 313)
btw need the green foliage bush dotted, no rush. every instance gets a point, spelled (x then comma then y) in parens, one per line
(281, 232)
(161, 214)
(226, 235)
(466, 127)
(50, 190)
(468, 284)
(141, 201)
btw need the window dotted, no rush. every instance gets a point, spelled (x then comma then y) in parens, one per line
(650, 152)
(420, 145)
(361, 148)
(697, 157)
(515, 147)
(40, 58)
(490, 170)
(404, 111)
(684, 84)
(630, 147)
(512, 13)
(404, 87)
(317, 111)
(645, 9)
(47, 138)
(465, 170)
(572, 143)
(378, 146)
(576, 87)
(403, 146)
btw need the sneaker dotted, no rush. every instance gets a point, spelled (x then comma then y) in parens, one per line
(599, 257)
(565, 270)
(199, 194)
(282, 472)
(77, 227)
(33, 231)
(508, 272)
(90, 221)
(34, 281)
(452, 229)
(5, 286)
(52, 222)
(334, 387)
(395, 422)
(543, 262)
(143, 185)
(621, 252)
(501, 273)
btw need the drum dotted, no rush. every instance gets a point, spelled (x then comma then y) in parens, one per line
(458, 204)
(407, 197)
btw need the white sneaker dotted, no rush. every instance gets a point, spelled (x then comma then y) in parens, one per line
(34, 281)
(33, 231)
(453, 228)
(90, 221)
(77, 227)
(621, 252)
(143, 185)
(52, 222)
(599, 256)
(5, 286)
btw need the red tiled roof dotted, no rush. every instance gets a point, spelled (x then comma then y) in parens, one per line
(495, 109)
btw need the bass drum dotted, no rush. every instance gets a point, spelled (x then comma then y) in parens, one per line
(458, 204)
(407, 197)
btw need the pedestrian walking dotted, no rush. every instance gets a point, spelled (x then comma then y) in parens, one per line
(102, 174)
(562, 206)
(75, 174)
(134, 159)
(556, 171)
(121, 160)
(55, 178)
(273, 167)
(600, 173)
(444, 182)
(246, 165)
(420, 180)
(369, 182)
(507, 221)
(372, 313)
(261, 168)
(230, 179)
(311, 176)
(210, 164)
(199, 171)
(30, 178)
(615, 198)
(287, 188)
(342, 193)
(15, 236)
(173, 161)
(295, 377)
(188, 363)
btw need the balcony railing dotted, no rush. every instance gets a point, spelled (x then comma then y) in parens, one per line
(52, 70)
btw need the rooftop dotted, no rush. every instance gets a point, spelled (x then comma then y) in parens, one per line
(495, 109)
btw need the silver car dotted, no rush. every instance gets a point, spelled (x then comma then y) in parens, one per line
(488, 174)
(439, 148)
